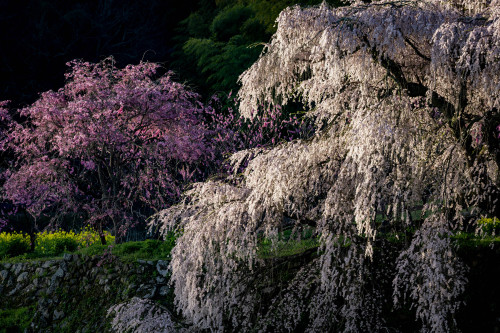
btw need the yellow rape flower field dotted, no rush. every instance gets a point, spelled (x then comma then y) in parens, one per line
(49, 244)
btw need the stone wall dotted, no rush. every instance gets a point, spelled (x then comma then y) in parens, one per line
(73, 294)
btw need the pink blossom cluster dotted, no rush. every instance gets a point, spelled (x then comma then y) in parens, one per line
(269, 126)
(112, 145)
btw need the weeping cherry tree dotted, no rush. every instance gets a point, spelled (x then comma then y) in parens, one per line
(405, 95)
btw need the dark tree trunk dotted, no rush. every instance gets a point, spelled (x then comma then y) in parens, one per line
(32, 240)
(101, 234)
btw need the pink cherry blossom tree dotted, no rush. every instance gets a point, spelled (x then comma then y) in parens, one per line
(406, 98)
(5, 120)
(111, 147)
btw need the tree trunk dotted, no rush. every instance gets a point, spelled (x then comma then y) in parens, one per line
(101, 234)
(32, 240)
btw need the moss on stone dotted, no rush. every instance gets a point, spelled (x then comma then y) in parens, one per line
(15, 320)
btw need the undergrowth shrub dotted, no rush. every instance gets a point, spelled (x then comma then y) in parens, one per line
(151, 249)
(15, 320)
(13, 244)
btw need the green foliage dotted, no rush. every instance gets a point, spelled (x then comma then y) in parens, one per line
(202, 49)
(65, 245)
(466, 240)
(221, 63)
(15, 320)
(147, 249)
(196, 26)
(217, 43)
(229, 21)
(287, 244)
(221, 57)
(150, 249)
(13, 244)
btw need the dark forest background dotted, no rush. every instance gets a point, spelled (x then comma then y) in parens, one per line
(207, 43)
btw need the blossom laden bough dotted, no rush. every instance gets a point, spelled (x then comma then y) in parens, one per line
(142, 316)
